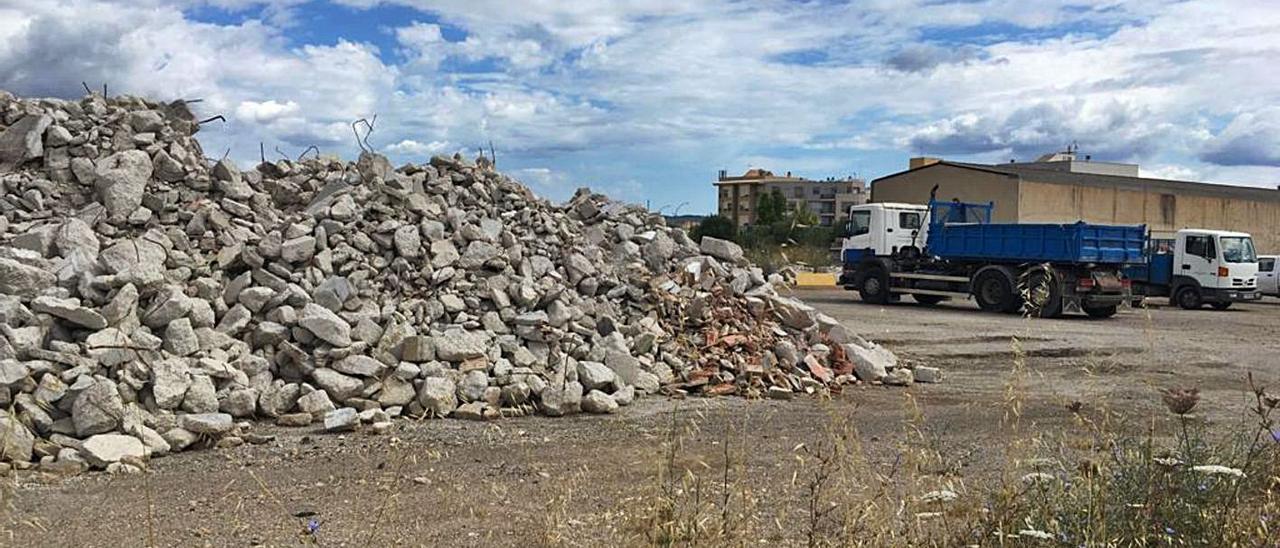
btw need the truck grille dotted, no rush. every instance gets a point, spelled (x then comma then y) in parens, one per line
(1244, 282)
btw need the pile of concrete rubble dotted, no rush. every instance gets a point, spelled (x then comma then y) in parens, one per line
(152, 300)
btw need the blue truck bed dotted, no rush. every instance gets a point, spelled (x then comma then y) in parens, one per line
(1052, 243)
(1158, 271)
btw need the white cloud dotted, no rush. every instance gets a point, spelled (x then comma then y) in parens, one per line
(544, 181)
(1252, 138)
(410, 147)
(265, 112)
(680, 84)
(1174, 172)
(423, 43)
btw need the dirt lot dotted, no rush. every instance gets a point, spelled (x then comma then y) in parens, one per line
(587, 480)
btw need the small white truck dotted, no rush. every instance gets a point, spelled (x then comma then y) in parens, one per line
(1198, 267)
(1269, 275)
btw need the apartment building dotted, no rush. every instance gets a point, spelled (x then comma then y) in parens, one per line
(828, 198)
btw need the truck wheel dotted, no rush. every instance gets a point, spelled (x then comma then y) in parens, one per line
(993, 291)
(1189, 297)
(1221, 306)
(875, 287)
(1100, 311)
(928, 299)
(1041, 292)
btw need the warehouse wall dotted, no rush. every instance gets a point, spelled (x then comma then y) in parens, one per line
(968, 185)
(1163, 212)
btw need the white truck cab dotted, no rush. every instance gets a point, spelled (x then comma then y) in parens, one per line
(1269, 275)
(1213, 266)
(884, 229)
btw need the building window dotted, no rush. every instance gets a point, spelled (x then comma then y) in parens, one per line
(799, 192)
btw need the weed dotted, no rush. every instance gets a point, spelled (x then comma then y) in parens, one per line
(1164, 478)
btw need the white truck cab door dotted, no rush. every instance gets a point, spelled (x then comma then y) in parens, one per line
(1267, 279)
(1197, 258)
(904, 229)
(858, 230)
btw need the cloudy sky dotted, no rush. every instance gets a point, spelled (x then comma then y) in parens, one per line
(646, 100)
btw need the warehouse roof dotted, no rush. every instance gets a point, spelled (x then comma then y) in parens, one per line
(1040, 175)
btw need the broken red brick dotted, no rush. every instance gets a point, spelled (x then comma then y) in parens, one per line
(723, 389)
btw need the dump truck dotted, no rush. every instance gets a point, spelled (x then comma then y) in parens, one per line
(952, 250)
(1198, 267)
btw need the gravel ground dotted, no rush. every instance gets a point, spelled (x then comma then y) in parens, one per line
(587, 480)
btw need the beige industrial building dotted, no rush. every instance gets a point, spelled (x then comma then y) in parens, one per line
(829, 199)
(1061, 188)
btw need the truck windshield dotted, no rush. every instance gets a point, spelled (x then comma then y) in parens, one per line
(1238, 249)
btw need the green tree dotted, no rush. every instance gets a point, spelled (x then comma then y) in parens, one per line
(764, 209)
(771, 207)
(716, 227)
(779, 205)
(803, 215)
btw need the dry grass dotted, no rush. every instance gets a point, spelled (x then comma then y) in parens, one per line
(1167, 478)
(773, 257)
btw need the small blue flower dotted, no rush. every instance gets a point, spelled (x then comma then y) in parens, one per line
(1169, 531)
(1275, 435)
(1204, 487)
(313, 526)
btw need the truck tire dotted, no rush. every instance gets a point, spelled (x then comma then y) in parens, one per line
(1222, 305)
(928, 299)
(1041, 292)
(874, 287)
(1100, 311)
(1188, 297)
(993, 290)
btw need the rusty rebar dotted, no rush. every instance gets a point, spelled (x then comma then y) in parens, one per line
(311, 148)
(363, 142)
